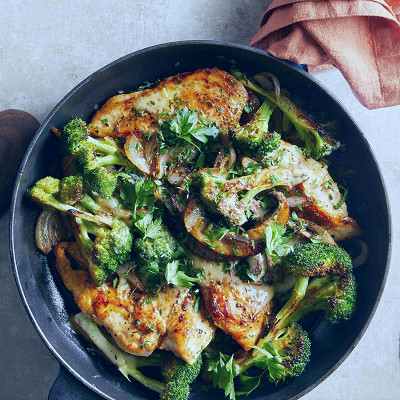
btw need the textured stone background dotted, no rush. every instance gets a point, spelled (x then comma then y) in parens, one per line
(46, 48)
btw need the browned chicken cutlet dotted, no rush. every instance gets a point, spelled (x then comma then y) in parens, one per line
(240, 309)
(219, 95)
(138, 323)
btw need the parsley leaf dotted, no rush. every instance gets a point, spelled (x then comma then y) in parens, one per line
(222, 371)
(178, 278)
(149, 227)
(184, 127)
(151, 272)
(137, 193)
(248, 383)
(277, 240)
(270, 361)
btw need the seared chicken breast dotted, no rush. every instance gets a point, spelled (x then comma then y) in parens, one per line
(217, 94)
(138, 322)
(312, 180)
(188, 331)
(240, 309)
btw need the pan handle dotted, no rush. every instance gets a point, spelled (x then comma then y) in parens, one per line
(67, 387)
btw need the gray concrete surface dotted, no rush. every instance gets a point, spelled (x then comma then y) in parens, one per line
(46, 48)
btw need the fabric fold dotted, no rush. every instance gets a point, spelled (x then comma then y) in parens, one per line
(359, 37)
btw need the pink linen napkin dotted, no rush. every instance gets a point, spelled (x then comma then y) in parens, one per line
(359, 37)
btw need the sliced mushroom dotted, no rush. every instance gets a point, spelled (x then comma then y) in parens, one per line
(229, 245)
(310, 230)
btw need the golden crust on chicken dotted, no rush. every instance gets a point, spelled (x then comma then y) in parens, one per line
(217, 94)
(138, 322)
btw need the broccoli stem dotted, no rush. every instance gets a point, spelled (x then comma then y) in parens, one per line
(285, 105)
(127, 364)
(89, 203)
(111, 159)
(254, 192)
(299, 290)
(102, 146)
(318, 292)
(263, 114)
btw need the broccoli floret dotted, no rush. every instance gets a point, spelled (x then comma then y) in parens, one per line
(253, 139)
(159, 248)
(284, 355)
(91, 155)
(317, 142)
(331, 287)
(71, 189)
(314, 259)
(225, 204)
(175, 391)
(178, 375)
(100, 181)
(46, 193)
(73, 135)
(175, 369)
(335, 295)
(110, 249)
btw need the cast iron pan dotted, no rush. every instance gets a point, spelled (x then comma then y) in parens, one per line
(37, 281)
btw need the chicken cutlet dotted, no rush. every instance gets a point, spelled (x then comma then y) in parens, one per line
(240, 309)
(311, 179)
(138, 322)
(218, 95)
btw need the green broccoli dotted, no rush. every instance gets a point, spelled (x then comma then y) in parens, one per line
(47, 193)
(332, 286)
(44, 193)
(282, 357)
(175, 391)
(224, 203)
(91, 157)
(155, 242)
(178, 375)
(71, 189)
(313, 259)
(317, 142)
(110, 249)
(253, 139)
(160, 248)
(176, 385)
(175, 369)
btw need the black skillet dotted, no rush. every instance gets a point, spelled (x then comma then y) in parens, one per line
(37, 282)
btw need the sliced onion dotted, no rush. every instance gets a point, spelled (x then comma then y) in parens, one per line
(134, 150)
(311, 230)
(295, 201)
(51, 228)
(224, 162)
(364, 253)
(177, 176)
(264, 80)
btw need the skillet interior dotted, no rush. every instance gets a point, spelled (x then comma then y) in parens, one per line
(35, 277)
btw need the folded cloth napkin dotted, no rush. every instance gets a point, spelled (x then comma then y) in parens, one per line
(359, 37)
